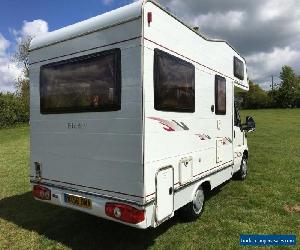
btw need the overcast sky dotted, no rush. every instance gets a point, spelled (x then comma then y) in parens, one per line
(266, 32)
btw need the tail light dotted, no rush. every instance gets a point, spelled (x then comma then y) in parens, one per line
(124, 213)
(41, 192)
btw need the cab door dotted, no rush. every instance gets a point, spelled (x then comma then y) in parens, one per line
(238, 139)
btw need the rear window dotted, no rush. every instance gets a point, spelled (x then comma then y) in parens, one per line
(83, 84)
(174, 83)
(238, 67)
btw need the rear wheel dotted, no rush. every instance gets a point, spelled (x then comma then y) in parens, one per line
(193, 210)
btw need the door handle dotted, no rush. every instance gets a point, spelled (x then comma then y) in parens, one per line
(170, 190)
(212, 108)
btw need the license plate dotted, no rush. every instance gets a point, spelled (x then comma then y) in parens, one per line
(78, 201)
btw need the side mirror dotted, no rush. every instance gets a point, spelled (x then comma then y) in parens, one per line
(249, 126)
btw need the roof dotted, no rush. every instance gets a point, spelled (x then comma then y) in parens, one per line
(114, 17)
(108, 19)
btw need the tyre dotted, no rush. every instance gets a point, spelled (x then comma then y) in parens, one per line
(193, 210)
(243, 172)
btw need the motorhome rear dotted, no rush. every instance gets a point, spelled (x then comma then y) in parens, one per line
(133, 116)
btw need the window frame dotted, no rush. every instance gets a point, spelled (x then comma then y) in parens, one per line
(236, 61)
(117, 82)
(157, 53)
(217, 111)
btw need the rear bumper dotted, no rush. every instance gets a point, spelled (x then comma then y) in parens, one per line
(98, 205)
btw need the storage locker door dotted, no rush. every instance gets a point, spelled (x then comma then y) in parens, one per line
(164, 194)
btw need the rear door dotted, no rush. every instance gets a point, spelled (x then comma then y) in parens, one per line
(223, 112)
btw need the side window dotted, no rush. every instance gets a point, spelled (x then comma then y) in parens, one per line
(90, 83)
(238, 68)
(220, 95)
(174, 83)
(237, 119)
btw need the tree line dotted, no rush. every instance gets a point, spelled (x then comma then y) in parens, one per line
(14, 107)
(286, 94)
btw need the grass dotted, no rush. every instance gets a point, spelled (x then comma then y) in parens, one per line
(266, 203)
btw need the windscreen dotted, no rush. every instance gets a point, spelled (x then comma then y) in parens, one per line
(83, 84)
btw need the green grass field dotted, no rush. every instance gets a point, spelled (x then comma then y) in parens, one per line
(268, 202)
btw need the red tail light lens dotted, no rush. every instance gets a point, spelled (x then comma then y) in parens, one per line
(124, 213)
(41, 192)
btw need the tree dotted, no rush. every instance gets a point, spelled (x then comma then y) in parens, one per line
(23, 84)
(298, 92)
(288, 89)
(255, 98)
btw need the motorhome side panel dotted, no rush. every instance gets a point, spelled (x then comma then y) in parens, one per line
(186, 138)
(99, 152)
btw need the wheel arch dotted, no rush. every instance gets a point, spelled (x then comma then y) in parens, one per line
(206, 186)
(246, 154)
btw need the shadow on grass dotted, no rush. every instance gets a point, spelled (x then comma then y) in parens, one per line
(78, 230)
(75, 229)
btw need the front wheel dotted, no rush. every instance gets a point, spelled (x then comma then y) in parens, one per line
(193, 210)
(243, 172)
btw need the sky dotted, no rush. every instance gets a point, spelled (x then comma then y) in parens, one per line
(265, 32)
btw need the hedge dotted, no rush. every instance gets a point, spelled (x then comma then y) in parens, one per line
(12, 110)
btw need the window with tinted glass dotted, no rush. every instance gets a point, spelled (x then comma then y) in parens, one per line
(220, 95)
(238, 68)
(83, 84)
(174, 83)
(237, 118)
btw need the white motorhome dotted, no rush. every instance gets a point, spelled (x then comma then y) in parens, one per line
(133, 116)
